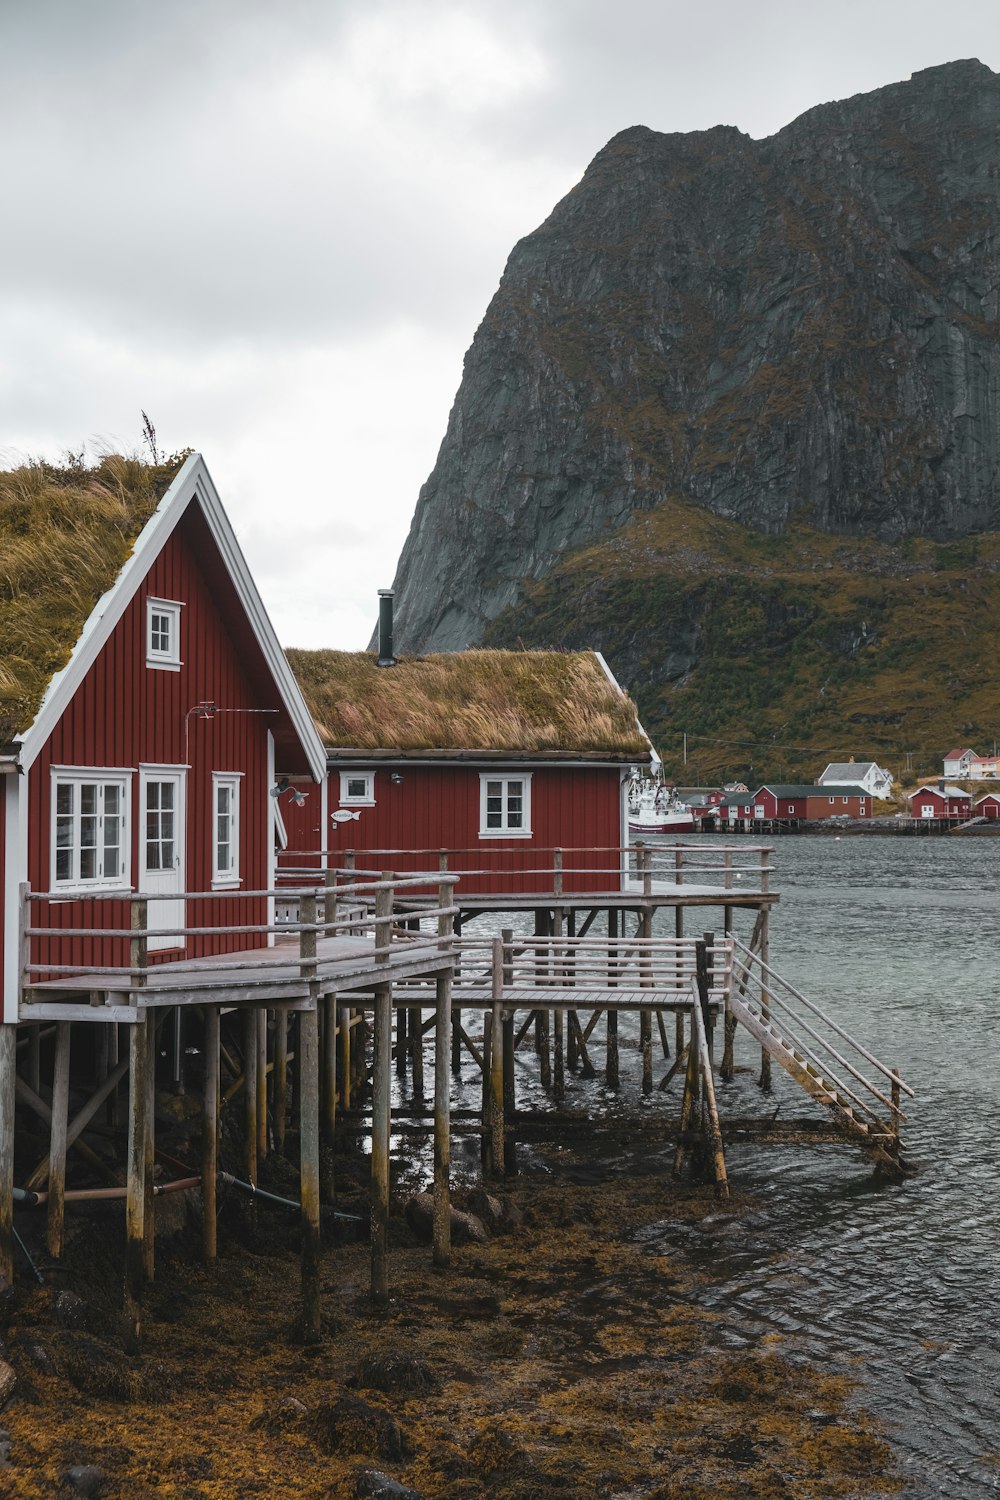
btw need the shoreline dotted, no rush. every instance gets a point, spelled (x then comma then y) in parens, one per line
(562, 1356)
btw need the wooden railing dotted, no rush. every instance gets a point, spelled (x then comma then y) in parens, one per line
(637, 867)
(367, 906)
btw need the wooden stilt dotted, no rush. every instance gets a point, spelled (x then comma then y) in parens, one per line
(558, 1021)
(149, 1213)
(679, 1018)
(8, 1072)
(344, 1013)
(135, 1200)
(250, 1135)
(210, 1135)
(485, 1139)
(442, 1123)
(495, 1164)
(509, 1055)
(689, 1106)
(765, 1013)
(329, 1095)
(416, 1026)
(262, 1121)
(35, 1059)
(308, 1052)
(380, 1145)
(661, 1025)
(57, 1142)
(401, 1017)
(611, 1046)
(279, 1086)
(645, 1018)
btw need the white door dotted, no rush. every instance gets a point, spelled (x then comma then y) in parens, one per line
(161, 849)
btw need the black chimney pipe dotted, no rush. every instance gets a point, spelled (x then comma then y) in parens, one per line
(385, 656)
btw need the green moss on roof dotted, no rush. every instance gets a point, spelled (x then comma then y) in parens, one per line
(65, 533)
(541, 701)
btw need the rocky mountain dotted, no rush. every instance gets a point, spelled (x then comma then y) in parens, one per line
(797, 336)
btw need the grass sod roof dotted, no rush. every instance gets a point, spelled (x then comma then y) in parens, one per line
(545, 702)
(66, 531)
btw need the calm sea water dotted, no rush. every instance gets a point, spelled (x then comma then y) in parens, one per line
(900, 939)
(898, 1284)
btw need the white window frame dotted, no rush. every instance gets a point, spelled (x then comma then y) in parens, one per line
(229, 878)
(346, 799)
(102, 777)
(168, 660)
(505, 832)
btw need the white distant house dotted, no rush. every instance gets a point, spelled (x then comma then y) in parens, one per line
(876, 781)
(957, 762)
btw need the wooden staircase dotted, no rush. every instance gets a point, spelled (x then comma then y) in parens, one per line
(776, 1015)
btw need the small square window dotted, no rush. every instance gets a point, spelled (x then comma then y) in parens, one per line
(505, 806)
(163, 634)
(357, 788)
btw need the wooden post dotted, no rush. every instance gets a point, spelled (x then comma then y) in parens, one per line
(57, 1146)
(495, 1164)
(708, 938)
(135, 1200)
(558, 1020)
(8, 1076)
(690, 1101)
(509, 1051)
(279, 1088)
(380, 1145)
(645, 1015)
(210, 1134)
(250, 1094)
(344, 1013)
(679, 1018)
(262, 1141)
(542, 929)
(329, 1094)
(611, 1062)
(307, 1051)
(557, 872)
(401, 1019)
(765, 1013)
(727, 1069)
(442, 1123)
(149, 1213)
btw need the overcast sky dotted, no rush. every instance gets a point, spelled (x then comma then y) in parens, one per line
(276, 224)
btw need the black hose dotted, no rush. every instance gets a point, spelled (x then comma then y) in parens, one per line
(255, 1192)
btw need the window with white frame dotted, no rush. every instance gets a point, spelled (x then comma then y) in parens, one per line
(504, 806)
(163, 634)
(357, 788)
(90, 828)
(225, 829)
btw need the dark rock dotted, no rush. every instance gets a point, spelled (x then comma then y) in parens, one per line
(398, 1374)
(70, 1310)
(83, 1479)
(5, 1446)
(347, 1424)
(465, 1228)
(36, 1355)
(720, 319)
(278, 1419)
(498, 1214)
(370, 1484)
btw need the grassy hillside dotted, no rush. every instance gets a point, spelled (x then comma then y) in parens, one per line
(776, 654)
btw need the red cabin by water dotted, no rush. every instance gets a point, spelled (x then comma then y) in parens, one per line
(499, 757)
(142, 742)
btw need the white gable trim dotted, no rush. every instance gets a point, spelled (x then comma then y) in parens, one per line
(192, 482)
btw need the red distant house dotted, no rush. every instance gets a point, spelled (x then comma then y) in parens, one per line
(148, 712)
(941, 801)
(988, 806)
(499, 757)
(783, 802)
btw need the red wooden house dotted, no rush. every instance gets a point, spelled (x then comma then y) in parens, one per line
(148, 713)
(498, 757)
(782, 802)
(940, 801)
(988, 806)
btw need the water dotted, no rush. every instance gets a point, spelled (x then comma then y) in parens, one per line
(899, 939)
(898, 1284)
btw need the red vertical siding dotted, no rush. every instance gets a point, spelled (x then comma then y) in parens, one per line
(436, 807)
(125, 714)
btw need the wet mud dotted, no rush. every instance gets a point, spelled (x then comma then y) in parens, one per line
(566, 1356)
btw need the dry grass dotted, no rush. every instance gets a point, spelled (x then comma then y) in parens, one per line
(471, 700)
(65, 533)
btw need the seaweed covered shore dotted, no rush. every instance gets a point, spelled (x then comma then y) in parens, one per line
(561, 1356)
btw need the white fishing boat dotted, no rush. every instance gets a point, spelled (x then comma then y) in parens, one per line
(656, 808)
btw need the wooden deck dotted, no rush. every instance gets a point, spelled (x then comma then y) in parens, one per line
(259, 976)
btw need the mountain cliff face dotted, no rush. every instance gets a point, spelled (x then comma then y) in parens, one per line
(799, 332)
